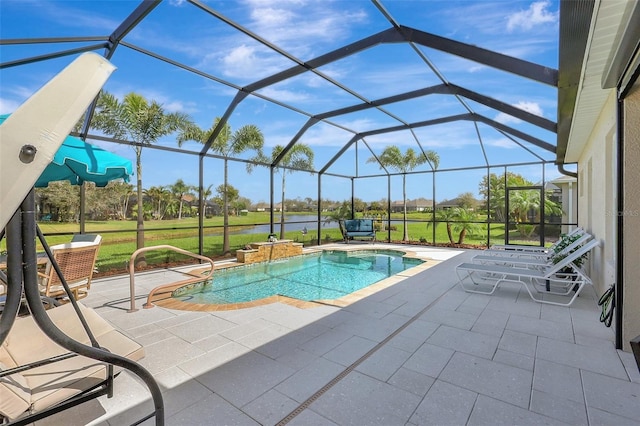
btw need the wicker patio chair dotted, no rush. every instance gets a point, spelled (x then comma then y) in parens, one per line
(77, 262)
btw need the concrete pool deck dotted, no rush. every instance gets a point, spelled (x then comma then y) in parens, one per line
(421, 351)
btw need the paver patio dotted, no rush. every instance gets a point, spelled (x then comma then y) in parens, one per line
(419, 352)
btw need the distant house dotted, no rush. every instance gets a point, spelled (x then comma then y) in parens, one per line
(422, 205)
(262, 207)
(417, 205)
(397, 206)
(457, 202)
(211, 209)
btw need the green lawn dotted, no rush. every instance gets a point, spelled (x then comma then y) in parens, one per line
(118, 237)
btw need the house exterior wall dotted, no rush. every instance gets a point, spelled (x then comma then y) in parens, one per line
(631, 217)
(597, 193)
(598, 207)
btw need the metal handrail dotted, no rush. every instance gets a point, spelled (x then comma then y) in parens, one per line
(132, 266)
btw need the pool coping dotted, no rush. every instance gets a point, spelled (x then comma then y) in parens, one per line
(172, 303)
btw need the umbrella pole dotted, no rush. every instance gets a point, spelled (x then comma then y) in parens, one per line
(83, 200)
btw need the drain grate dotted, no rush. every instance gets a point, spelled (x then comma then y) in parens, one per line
(303, 406)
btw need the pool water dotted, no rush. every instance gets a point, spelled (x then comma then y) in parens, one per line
(327, 275)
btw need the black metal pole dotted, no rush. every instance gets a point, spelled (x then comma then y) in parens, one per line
(506, 208)
(433, 207)
(353, 202)
(271, 199)
(389, 208)
(319, 207)
(488, 207)
(619, 287)
(201, 205)
(83, 207)
(542, 213)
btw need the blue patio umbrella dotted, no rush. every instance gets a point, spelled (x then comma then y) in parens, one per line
(77, 161)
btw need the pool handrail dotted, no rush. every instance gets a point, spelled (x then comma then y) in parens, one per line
(132, 267)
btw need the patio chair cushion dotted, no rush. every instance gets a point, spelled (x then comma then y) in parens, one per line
(359, 225)
(14, 393)
(357, 228)
(50, 384)
(86, 238)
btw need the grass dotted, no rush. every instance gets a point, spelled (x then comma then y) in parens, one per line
(119, 237)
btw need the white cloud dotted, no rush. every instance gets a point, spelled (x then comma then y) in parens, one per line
(531, 107)
(326, 135)
(249, 61)
(237, 60)
(287, 96)
(298, 27)
(537, 14)
(63, 13)
(7, 106)
(501, 143)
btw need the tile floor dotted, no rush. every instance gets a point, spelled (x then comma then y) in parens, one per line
(420, 352)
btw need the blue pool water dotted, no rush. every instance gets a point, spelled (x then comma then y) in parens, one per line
(327, 275)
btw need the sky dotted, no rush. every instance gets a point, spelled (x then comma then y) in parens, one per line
(304, 30)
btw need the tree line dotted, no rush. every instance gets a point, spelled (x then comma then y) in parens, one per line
(144, 122)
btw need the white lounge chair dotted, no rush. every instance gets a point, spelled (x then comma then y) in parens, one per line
(535, 259)
(559, 279)
(535, 249)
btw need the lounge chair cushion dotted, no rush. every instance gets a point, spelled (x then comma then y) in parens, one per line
(49, 387)
(14, 394)
(359, 225)
(50, 384)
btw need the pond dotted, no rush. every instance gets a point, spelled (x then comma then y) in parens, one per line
(308, 221)
(293, 222)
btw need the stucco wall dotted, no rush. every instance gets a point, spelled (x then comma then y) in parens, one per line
(597, 195)
(631, 217)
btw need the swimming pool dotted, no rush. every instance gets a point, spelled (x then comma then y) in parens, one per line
(327, 275)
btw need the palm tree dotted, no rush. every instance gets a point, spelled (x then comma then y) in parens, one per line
(527, 202)
(392, 157)
(342, 212)
(206, 194)
(160, 199)
(299, 157)
(141, 122)
(447, 216)
(179, 190)
(465, 216)
(227, 144)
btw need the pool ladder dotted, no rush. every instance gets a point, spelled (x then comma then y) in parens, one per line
(161, 291)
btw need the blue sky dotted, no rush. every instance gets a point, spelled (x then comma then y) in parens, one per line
(179, 30)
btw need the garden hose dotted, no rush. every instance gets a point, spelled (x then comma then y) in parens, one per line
(607, 301)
